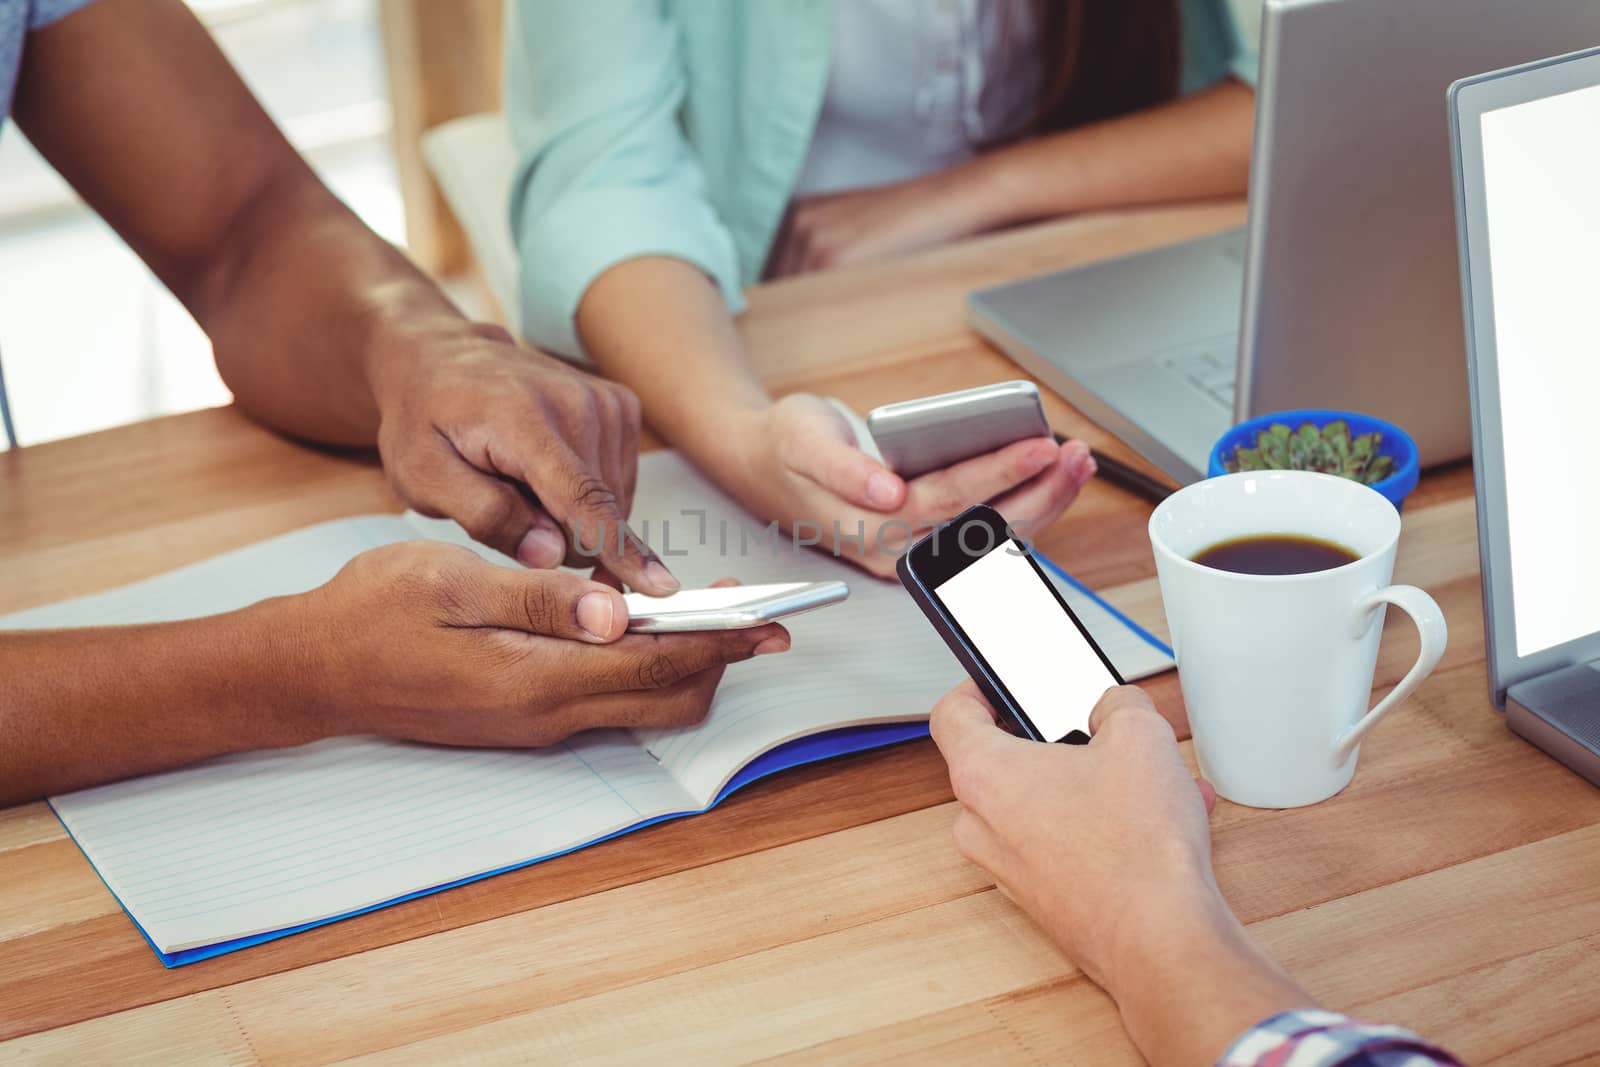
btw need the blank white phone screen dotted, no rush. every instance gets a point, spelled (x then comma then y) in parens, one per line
(1541, 164)
(1030, 643)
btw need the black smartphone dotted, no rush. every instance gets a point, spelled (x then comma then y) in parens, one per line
(986, 595)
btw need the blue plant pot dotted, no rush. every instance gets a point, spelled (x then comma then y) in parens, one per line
(1396, 443)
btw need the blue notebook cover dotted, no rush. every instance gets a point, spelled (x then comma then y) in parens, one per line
(795, 753)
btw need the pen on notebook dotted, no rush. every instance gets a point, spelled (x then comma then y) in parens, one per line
(1124, 476)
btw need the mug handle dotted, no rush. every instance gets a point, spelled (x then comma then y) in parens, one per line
(1432, 631)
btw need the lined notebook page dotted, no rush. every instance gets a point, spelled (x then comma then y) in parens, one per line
(873, 658)
(266, 840)
(259, 842)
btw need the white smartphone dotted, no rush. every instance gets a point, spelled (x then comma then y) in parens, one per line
(918, 436)
(737, 607)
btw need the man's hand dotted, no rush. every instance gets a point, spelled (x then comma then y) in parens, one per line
(419, 641)
(429, 642)
(805, 470)
(1107, 847)
(530, 456)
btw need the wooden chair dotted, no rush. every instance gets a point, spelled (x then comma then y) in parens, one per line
(443, 59)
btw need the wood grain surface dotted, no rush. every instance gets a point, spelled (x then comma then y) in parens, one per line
(822, 916)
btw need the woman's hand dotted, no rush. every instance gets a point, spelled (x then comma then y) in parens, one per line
(799, 464)
(863, 225)
(1189, 149)
(430, 642)
(1107, 847)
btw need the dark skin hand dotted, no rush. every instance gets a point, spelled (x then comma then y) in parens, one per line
(420, 641)
(321, 329)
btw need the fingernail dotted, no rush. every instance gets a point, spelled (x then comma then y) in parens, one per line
(769, 645)
(542, 547)
(881, 490)
(595, 614)
(656, 573)
(1087, 469)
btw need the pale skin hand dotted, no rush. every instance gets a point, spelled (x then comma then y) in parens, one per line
(419, 641)
(804, 466)
(1107, 847)
(863, 225)
(1192, 148)
(659, 325)
(321, 329)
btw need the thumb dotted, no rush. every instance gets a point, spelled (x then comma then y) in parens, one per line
(1117, 702)
(549, 603)
(824, 449)
(1208, 794)
(961, 721)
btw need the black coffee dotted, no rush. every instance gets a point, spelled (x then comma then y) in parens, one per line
(1275, 554)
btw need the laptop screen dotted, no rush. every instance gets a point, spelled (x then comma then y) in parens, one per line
(1541, 170)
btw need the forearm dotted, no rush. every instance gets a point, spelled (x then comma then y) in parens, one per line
(301, 300)
(1192, 148)
(1191, 981)
(311, 314)
(82, 707)
(659, 326)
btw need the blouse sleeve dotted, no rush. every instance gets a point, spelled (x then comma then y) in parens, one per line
(604, 173)
(1221, 38)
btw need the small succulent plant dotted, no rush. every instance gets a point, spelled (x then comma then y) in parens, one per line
(1328, 450)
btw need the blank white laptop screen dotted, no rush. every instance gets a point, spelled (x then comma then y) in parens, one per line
(1541, 163)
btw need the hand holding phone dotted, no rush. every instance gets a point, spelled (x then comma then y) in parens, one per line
(812, 474)
(734, 607)
(1028, 653)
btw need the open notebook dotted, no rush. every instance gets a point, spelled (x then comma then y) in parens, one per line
(252, 847)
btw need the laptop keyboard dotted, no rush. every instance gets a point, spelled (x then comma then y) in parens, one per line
(1210, 367)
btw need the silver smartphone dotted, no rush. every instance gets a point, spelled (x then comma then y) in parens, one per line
(918, 436)
(736, 607)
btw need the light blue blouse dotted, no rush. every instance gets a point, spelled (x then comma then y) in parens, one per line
(678, 127)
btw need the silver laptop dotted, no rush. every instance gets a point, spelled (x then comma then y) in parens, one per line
(1346, 274)
(1528, 203)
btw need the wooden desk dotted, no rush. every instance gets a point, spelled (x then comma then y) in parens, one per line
(824, 915)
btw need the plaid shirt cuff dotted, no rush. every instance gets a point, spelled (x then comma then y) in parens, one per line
(1310, 1038)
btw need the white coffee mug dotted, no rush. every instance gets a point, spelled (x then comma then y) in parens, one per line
(1276, 670)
